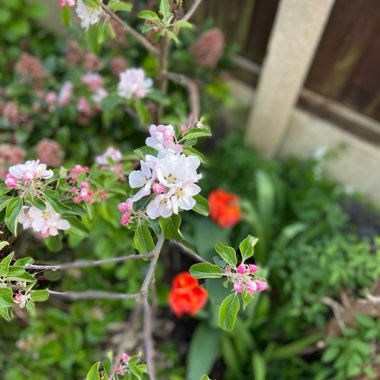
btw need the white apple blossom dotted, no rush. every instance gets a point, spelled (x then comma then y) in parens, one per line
(133, 83)
(182, 197)
(111, 153)
(88, 15)
(47, 222)
(162, 137)
(30, 170)
(160, 206)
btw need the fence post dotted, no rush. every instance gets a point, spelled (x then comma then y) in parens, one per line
(295, 35)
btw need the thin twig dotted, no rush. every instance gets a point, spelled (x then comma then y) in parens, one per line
(163, 71)
(88, 263)
(337, 309)
(192, 10)
(246, 64)
(139, 37)
(193, 92)
(148, 340)
(188, 251)
(94, 294)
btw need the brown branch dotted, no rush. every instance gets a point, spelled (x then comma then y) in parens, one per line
(189, 251)
(192, 10)
(93, 294)
(163, 72)
(88, 263)
(148, 340)
(139, 37)
(337, 309)
(193, 92)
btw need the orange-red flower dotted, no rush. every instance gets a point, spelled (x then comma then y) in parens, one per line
(224, 208)
(186, 296)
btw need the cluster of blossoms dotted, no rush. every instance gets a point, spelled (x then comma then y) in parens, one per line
(12, 114)
(28, 175)
(31, 69)
(50, 152)
(170, 178)
(244, 280)
(94, 82)
(122, 368)
(46, 222)
(111, 160)
(186, 296)
(21, 299)
(224, 208)
(133, 83)
(76, 56)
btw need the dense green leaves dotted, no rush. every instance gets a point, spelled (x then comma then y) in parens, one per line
(228, 312)
(206, 270)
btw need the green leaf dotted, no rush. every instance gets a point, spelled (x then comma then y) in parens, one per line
(190, 151)
(92, 39)
(149, 15)
(183, 24)
(246, 247)
(145, 150)
(247, 298)
(110, 102)
(77, 228)
(92, 3)
(165, 9)
(6, 297)
(203, 351)
(102, 32)
(22, 262)
(52, 197)
(117, 5)
(227, 253)
(194, 133)
(4, 265)
(3, 244)
(205, 270)
(159, 97)
(143, 239)
(14, 208)
(170, 227)
(205, 377)
(259, 366)
(228, 312)
(93, 374)
(201, 207)
(38, 203)
(53, 243)
(39, 295)
(66, 16)
(330, 354)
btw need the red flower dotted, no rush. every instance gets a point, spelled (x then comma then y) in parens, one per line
(186, 296)
(224, 208)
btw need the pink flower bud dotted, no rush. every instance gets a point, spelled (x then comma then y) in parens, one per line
(74, 190)
(83, 194)
(158, 188)
(76, 200)
(123, 207)
(28, 176)
(11, 182)
(253, 268)
(251, 287)
(18, 298)
(241, 269)
(125, 219)
(90, 192)
(125, 357)
(84, 185)
(78, 169)
(261, 285)
(86, 169)
(238, 286)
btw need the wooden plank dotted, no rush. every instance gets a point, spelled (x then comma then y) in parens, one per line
(295, 35)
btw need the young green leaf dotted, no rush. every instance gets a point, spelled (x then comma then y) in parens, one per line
(227, 253)
(165, 9)
(143, 239)
(194, 133)
(39, 295)
(149, 15)
(190, 151)
(246, 247)
(228, 312)
(117, 5)
(4, 265)
(93, 374)
(201, 207)
(183, 24)
(206, 270)
(6, 297)
(12, 213)
(170, 227)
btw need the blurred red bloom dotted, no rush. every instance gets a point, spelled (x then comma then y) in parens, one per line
(224, 208)
(186, 296)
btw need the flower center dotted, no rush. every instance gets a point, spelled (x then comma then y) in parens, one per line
(171, 178)
(47, 215)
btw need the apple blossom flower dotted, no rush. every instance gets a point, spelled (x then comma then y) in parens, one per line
(182, 197)
(162, 137)
(47, 222)
(253, 268)
(84, 106)
(126, 206)
(241, 269)
(238, 286)
(50, 152)
(99, 95)
(133, 83)
(260, 285)
(251, 287)
(141, 178)
(160, 206)
(110, 154)
(65, 94)
(125, 218)
(88, 15)
(30, 170)
(92, 80)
